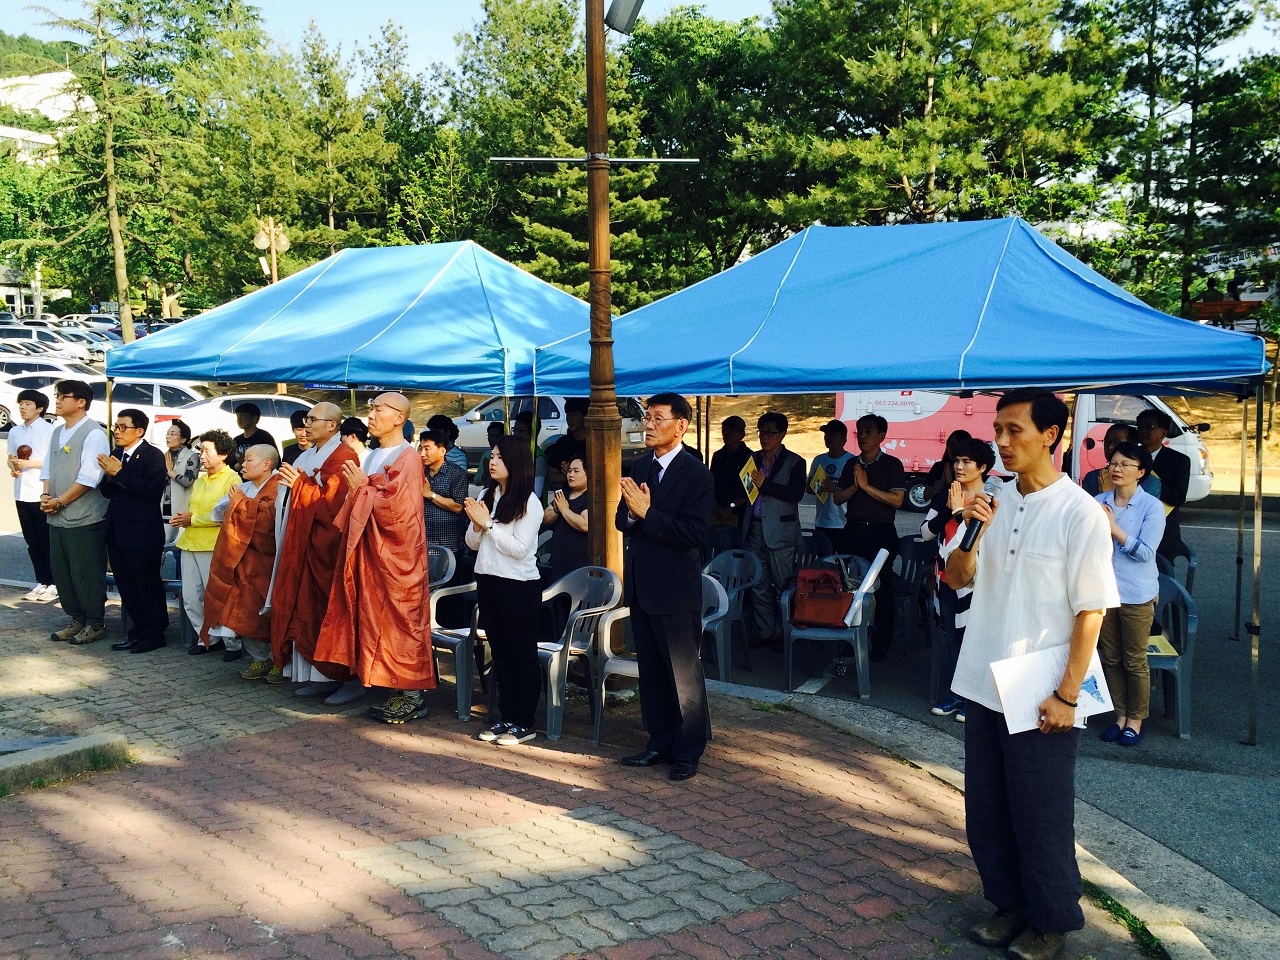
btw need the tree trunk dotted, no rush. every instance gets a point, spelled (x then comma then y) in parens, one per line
(113, 208)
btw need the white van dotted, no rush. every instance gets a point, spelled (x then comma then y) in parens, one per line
(920, 421)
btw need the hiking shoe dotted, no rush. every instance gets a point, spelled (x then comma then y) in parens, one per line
(948, 706)
(90, 634)
(998, 930)
(1031, 944)
(404, 706)
(516, 735)
(258, 670)
(67, 632)
(490, 734)
(275, 676)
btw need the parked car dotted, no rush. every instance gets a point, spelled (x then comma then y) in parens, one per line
(219, 413)
(12, 384)
(64, 344)
(12, 365)
(94, 321)
(7, 317)
(474, 424)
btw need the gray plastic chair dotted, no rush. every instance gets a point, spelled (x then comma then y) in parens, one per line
(915, 562)
(855, 633)
(441, 563)
(616, 651)
(458, 642)
(1176, 614)
(592, 592)
(1170, 567)
(737, 571)
(171, 576)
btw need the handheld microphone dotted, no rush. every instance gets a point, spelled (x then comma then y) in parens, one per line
(990, 490)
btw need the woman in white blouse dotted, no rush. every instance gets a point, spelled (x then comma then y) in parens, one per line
(504, 534)
(183, 466)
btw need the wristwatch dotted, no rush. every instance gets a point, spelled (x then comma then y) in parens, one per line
(432, 496)
(489, 526)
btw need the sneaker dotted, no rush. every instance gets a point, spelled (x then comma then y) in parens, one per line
(50, 593)
(67, 632)
(1034, 945)
(947, 706)
(960, 715)
(35, 593)
(275, 676)
(258, 670)
(490, 734)
(516, 735)
(404, 706)
(998, 930)
(90, 634)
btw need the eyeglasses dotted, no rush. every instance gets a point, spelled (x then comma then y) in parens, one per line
(768, 433)
(311, 420)
(1124, 465)
(650, 418)
(123, 428)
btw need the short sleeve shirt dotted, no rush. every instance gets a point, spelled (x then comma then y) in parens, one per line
(1045, 558)
(886, 473)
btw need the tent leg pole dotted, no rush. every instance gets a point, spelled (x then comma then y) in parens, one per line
(698, 435)
(707, 461)
(1255, 626)
(353, 402)
(1244, 465)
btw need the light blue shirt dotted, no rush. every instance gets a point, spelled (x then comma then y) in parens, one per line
(830, 513)
(1135, 563)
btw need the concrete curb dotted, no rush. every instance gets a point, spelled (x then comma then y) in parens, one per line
(921, 746)
(57, 761)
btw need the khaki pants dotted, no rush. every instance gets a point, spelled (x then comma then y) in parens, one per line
(1122, 648)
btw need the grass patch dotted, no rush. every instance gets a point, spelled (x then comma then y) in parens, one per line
(764, 707)
(1147, 942)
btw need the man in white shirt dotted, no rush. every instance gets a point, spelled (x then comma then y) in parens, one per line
(1042, 577)
(30, 438)
(77, 513)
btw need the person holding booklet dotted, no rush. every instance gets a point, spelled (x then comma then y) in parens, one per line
(1042, 578)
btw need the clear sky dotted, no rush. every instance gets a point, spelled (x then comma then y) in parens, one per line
(430, 25)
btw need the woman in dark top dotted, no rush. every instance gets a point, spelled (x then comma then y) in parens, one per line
(566, 518)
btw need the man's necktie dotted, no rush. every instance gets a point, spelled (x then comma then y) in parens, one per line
(654, 470)
(124, 458)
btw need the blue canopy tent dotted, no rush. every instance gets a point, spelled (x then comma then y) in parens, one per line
(947, 306)
(446, 316)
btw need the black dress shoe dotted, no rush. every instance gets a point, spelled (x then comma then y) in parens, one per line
(683, 769)
(123, 645)
(146, 646)
(650, 758)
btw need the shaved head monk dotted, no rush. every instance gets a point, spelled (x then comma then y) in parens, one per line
(313, 492)
(379, 620)
(240, 571)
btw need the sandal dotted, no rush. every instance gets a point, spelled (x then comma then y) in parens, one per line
(1130, 737)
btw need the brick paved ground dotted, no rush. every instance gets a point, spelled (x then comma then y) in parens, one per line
(256, 828)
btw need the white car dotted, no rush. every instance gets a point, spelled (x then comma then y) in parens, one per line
(473, 426)
(94, 321)
(160, 400)
(55, 339)
(13, 383)
(219, 413)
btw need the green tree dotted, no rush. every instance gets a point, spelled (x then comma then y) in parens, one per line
(893, 111)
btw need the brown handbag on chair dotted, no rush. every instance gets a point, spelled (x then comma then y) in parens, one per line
(821, 599)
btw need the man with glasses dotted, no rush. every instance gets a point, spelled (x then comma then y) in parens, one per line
(313, 491)
(872, 487)
(771, 525)
(77, 513)
(666, 501)
(1174, 472)
(134, 480)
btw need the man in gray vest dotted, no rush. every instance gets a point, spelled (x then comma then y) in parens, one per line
(77, 513)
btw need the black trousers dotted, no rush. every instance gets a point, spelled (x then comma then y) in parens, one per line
(673, 691)
(865, 539)
(1019, 803)
(509, 612)
(137, 573)
(35, 530)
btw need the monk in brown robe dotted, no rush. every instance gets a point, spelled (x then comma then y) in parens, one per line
(307, 551)
(240, 571)
(379, 619)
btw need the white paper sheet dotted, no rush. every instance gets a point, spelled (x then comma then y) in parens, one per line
(1026, 681)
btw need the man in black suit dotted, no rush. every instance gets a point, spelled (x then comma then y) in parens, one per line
(1173, 469)
(665, 504)
(134, 480)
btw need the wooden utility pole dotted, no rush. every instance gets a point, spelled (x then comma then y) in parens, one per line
(603, 421)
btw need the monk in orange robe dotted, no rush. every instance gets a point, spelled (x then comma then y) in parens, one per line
(379, 619)
(240, 571)
(307, 552)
